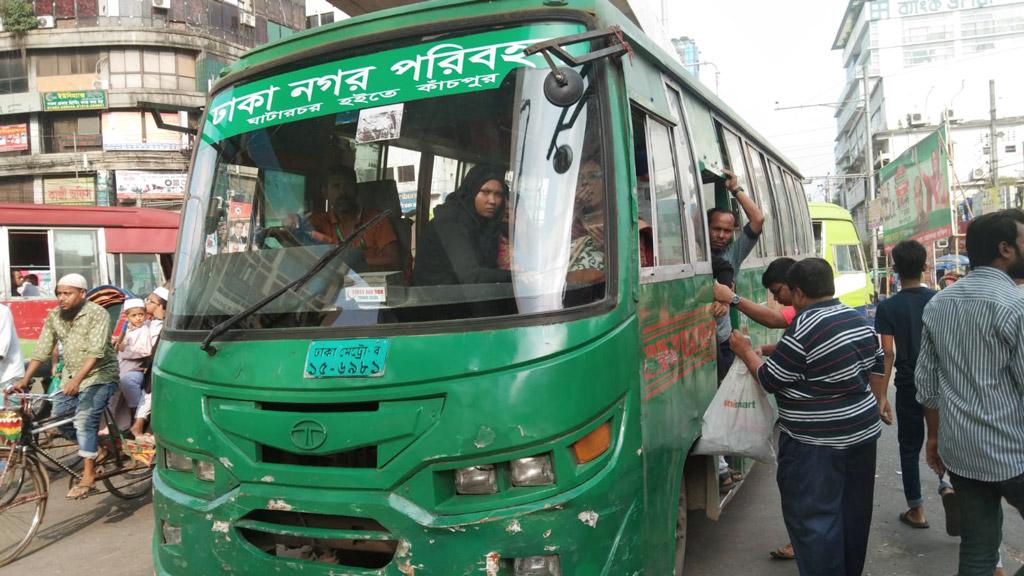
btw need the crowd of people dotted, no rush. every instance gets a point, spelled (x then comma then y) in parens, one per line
(956, 359)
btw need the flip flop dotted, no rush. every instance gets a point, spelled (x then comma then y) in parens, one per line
(80, 492)
(905, 518)
(780, 553)
(951, 504)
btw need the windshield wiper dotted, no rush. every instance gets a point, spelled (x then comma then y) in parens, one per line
(320, 264)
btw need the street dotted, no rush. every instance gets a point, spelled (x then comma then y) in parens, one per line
(115, 534)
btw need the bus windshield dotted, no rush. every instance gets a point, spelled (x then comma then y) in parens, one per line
(474, 195)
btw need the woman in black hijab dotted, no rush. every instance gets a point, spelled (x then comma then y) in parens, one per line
(460, 244)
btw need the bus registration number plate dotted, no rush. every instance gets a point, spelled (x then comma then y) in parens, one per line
(359, 358)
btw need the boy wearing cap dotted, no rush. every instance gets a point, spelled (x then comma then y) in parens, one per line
(90, 369)
(133, 347)
(156, 307)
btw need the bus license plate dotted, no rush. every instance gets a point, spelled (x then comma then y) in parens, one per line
(361, 358)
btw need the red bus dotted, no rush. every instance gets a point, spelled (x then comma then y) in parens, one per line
(128, 247)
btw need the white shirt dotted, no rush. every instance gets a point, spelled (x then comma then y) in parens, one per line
(11, 364)
(28, 290)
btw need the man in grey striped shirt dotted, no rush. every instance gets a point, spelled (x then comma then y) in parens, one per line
(970, 377)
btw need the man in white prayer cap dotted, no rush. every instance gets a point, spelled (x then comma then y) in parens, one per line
(90, 369)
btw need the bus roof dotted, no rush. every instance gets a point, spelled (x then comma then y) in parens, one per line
(95, 216)
(827, 211)
(294, 47)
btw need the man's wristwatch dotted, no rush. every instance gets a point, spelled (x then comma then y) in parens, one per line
(735, 300)
(737, 190)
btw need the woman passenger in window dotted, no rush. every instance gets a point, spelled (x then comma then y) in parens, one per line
(586, 249)
(460, 244)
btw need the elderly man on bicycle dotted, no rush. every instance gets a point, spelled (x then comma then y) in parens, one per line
(90, 369)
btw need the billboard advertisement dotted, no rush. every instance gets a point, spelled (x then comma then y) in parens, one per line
(13, 137)
(152, 185)
(913, 193)
(70, 191)
(79, 100)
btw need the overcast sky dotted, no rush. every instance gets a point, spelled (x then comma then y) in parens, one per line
(768, 52)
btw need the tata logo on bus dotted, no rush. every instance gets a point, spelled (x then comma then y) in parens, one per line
(308, 435)
(676, 347)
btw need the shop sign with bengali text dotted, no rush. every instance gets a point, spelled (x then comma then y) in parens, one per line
(913, 192)
(468, 64)
(13, 137)
(74, 100)
(70, 191)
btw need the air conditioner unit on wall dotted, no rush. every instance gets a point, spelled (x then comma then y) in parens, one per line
(977, 174)
(45, 21)
(162, 4)
(247, 19)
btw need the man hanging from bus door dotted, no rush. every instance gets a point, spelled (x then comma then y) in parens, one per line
(90, 369)
(730, 253)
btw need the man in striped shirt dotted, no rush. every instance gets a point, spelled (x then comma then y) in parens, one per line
(829, 416)
(970, 379)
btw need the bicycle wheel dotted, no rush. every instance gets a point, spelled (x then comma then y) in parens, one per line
(24, 490)
(60, 449)
(133, 481)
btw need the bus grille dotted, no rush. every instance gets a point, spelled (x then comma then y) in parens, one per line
(365, 457)
(337, 540)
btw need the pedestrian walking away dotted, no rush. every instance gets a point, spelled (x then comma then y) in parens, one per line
(826, 374)
(970, 379)
(898, 323)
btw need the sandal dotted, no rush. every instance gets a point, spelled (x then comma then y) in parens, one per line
(80, 492)
(906, 519)
(725, 482)
(951, 505)
(783, 553)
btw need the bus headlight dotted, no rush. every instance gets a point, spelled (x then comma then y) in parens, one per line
(537, 566)
(476, 480)
(533, 471)
(205, 471)
(178, 462)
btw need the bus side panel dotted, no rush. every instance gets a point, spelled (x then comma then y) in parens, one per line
(677, 341)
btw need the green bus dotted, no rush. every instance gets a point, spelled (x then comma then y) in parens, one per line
(836, 240)
(319, 415)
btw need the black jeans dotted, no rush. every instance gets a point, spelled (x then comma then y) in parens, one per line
(981, 520)
(827, 497)
(910, 436)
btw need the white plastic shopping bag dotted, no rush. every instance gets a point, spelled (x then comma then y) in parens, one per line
(740, 420)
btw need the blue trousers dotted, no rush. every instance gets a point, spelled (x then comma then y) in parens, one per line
(88, 407)
(981, 520)
(910, 436)
(827, 496)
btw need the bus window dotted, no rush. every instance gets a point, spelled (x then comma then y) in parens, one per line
(848, 258)
(734, 153)
(668, 227)
(501, 122)
(136, 273)
(74, 251)
(819, 244)
(688, 173)
(786, 215)
(798, 203)
(29, 252)
(644, 203)
(762, 195)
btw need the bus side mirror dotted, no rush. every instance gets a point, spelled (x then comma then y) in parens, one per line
(563, 87)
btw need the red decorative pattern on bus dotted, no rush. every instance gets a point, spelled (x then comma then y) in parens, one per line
(676, 347)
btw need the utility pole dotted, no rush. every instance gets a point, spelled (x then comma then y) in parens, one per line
(869, 162)
(993, 151)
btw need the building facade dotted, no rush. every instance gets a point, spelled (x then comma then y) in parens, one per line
(72, 130)
(929, 62)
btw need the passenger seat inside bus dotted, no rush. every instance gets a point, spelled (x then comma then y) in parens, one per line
(383, 195)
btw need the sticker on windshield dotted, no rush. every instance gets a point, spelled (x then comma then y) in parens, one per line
(381, 123)
(359, 358)
(367, 294)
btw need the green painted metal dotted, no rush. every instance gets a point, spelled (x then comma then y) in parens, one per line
(645, 365)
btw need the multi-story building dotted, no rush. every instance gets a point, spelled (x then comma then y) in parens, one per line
(72, 130)
(926, 62)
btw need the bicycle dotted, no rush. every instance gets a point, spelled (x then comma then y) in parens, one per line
(25, 485)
